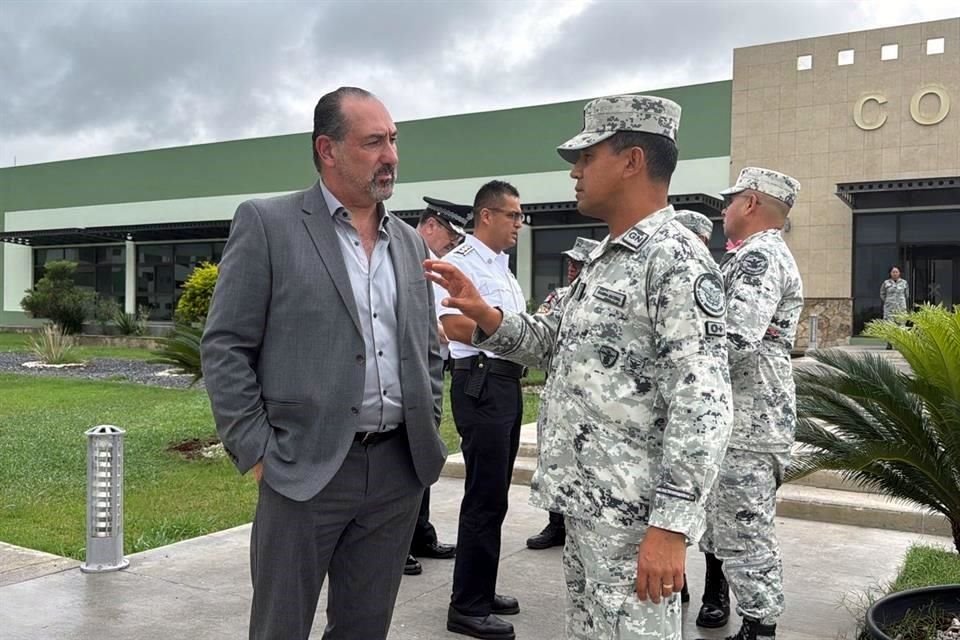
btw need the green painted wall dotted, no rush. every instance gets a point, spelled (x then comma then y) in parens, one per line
(498, 142)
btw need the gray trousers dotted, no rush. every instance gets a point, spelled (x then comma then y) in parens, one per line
(740, 531)
(357, 529)
(600, 569)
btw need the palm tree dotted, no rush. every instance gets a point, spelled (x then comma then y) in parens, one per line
(181, 349)
(893, 432)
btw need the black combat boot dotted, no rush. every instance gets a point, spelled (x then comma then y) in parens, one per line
(753, 630)
(715, 611)
(553, 535)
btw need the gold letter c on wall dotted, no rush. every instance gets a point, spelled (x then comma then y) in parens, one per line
(858, 112)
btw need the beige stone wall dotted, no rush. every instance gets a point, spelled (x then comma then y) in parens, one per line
(833, 322)
(802, 123)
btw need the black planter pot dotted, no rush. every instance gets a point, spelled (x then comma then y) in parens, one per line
(892, 608)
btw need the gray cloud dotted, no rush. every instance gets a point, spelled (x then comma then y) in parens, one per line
(88, 78)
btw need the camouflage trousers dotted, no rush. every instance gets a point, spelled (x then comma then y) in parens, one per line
(600, 569)
(740, 530)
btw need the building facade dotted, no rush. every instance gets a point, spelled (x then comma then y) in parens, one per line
(864, 120)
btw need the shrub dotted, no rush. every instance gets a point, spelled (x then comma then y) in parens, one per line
(53, 346)
(105, 310)
(181, 349)
(57, 298)
(194, 303)
(895, 433)
(132, 324)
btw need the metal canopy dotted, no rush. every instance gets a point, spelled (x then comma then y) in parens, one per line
(169, 231)
(565, 212)
(921, 193)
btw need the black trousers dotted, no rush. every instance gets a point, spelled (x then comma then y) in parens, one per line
(489, 427)
(424, 533)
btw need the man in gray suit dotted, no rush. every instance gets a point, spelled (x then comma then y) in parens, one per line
(321, 360)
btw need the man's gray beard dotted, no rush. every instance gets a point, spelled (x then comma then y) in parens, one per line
(379, 193)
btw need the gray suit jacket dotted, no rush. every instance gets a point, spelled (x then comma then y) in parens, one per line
(283, 353)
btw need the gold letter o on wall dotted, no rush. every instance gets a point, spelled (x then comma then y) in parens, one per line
(941, 113)
(858, 112)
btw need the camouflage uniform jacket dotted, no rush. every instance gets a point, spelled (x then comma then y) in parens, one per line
(637, 407)
(894, 294)
(553, 299)
(764, 301)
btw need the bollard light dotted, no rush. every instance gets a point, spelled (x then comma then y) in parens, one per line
(812, 342)
(104, 500)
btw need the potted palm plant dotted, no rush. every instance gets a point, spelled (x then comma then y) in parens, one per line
(896, 433)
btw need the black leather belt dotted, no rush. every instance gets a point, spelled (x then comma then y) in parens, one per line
(370, 438)
(494, 366)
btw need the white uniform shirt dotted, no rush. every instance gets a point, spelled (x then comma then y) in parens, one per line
(444, 348)
(490, 274)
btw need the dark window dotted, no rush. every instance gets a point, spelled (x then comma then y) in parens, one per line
(549, 265)
(930, 228)
(99, 269)
(188, 257)
(155, 284)
(162, 270)
(926, 247)
(875, 229)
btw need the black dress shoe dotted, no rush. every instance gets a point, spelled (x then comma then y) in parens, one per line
(551, 536)
(505, 605)
(436, 550)
(488, 627)
(412, 566)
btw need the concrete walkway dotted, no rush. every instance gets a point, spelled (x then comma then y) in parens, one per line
(200, 588)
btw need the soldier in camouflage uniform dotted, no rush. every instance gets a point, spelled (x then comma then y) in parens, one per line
(894, 293)
(764, 299)
(637, 407)
(699, 224)
(554, 534)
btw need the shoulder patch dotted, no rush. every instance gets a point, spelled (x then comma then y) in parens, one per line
(463, 250)
(634, 239)
(714, 329)
(608, 355)
(754, 264)
(708, 292)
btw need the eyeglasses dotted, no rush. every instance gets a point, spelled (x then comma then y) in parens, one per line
(516, 216)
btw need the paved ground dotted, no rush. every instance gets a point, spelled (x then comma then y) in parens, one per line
(200, 588)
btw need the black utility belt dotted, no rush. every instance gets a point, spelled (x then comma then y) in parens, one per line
(493, 366)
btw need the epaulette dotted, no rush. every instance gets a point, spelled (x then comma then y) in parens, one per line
(463, 250)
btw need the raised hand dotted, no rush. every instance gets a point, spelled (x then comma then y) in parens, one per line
(462, 295)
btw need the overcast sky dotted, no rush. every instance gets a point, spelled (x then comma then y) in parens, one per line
(91, 78)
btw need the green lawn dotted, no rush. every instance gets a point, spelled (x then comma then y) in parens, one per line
(925, 566)
(167, 498)
(19, 342)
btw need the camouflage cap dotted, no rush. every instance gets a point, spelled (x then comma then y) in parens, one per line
(773, 183)
(581, 250)
(700, 224)
(455, 215)
(604, 117)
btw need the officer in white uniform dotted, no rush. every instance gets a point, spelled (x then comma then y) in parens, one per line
(487, 408)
